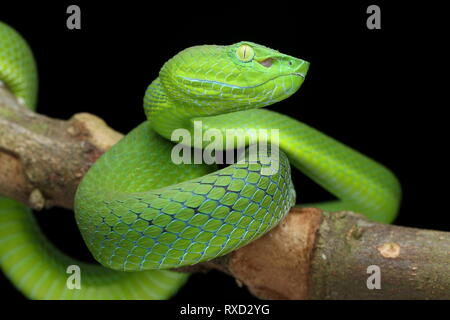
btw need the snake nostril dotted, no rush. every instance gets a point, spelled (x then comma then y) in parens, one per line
(290, 63)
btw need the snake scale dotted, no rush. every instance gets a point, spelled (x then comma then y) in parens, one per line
(140, 212)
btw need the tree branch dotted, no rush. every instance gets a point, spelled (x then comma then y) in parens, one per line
(42, 160)
(310, 255)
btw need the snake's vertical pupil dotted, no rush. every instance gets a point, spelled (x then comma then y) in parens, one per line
(245, 53)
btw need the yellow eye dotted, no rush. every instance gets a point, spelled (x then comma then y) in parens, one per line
(245, 53)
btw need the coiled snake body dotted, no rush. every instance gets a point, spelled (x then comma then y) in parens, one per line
(140, 212)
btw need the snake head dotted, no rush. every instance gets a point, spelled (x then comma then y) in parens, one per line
(231, 78)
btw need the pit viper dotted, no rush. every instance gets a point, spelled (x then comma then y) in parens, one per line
(141, 214)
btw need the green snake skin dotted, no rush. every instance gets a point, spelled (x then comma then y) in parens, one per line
(140, 212)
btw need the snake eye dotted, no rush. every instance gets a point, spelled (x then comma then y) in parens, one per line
(245, 53)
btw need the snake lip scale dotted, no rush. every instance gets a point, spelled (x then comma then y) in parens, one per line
(139, 212)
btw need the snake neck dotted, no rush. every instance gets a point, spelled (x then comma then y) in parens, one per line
(159, 110)
(167, 114)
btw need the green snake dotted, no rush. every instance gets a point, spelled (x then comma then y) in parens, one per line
(140, 212)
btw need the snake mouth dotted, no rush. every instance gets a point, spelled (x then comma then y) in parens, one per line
(299, 74)
(241, 87)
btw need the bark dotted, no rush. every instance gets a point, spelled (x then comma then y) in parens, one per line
(414, 263)
(310, 255)
(42, 160)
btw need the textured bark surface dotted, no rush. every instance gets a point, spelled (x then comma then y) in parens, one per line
(277, 266)
(413, 263)
(310, 255)
(42, 160)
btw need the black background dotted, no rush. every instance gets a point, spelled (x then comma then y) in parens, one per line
(375, 90)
